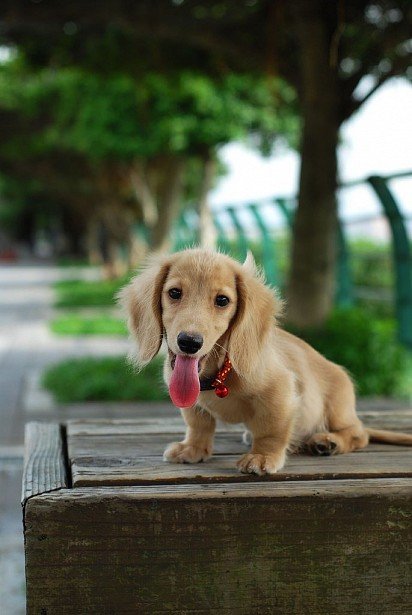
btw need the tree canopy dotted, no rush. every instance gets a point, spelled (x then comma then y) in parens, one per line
(334, 54)
(365, 37)
(118, 117)
(122, 144)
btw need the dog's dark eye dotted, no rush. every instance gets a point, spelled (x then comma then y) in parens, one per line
(222, 300)
(175, 293)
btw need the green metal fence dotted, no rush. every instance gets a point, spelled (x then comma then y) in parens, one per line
(243, 227)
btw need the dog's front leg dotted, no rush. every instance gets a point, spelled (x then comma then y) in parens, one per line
(198, 443)
(271, 431)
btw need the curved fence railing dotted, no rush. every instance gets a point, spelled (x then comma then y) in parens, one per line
(245, 226)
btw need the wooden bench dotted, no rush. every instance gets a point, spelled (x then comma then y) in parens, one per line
(110, 528)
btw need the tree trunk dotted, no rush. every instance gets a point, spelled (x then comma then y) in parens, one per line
(312, 279)
(207, 229)
(94, 253)
(168, 202)
(144, 193)
(136, 250)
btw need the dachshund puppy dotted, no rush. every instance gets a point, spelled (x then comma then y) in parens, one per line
(217, 320)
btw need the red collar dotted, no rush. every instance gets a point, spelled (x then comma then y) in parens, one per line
(216, 383)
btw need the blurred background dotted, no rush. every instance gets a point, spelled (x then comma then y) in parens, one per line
(132, 127)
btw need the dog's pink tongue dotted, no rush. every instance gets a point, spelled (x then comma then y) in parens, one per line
(184, 386)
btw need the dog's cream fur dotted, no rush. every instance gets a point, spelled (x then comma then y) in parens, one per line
(286, 394)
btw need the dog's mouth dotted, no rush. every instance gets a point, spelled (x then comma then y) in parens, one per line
(172, 358)
(184, 385)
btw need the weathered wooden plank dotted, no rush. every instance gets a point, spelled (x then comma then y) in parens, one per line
(138, 426)
(352, 488)
(148, 445)
(321, 547)
(44, 464)
(144, 444)
(398, 422)
(121, 470)
(127, 452)
(398, 412)
(383, 419)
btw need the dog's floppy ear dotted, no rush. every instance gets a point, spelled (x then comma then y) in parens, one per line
(141, 299)
(257, 306)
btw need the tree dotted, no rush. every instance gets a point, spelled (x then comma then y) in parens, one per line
(339, 44)
(134, 139)
(323, 48)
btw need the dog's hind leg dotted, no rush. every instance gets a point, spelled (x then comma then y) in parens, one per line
(345, 431)
(335, 442)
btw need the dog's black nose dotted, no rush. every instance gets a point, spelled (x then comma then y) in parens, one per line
(189, 342)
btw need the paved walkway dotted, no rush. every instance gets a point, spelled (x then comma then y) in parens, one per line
(26, 347)
(26, 344)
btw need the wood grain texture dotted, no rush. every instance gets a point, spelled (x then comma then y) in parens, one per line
(121, 470)
(287, 548)
(149, 445)
(352, 488)
(138, 535)
(130, 452)
(44, 464)
(108, 427)
(398, 419)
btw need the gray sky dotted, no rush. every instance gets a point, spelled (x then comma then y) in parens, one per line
(376, 140)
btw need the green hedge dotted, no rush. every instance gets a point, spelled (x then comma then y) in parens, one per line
(367, 348)
(371, 263)
(108, 379)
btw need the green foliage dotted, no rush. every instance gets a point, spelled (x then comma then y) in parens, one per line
(77, 137)
(79, 293)
(118, 117)
(72, 261)
(371, 263)
(108, 379)
(76, 324)
(366, 347)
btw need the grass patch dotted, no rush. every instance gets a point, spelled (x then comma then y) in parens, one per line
(72, 261)
(108, 379)
(80, 293)
(76, 324)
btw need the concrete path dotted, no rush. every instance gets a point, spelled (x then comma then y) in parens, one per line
(26, 344)
(26, 348)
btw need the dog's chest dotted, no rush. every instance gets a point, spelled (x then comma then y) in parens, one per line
(231, 409)
(309, 418)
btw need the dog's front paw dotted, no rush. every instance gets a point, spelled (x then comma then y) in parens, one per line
(253, 463)
(180, 452)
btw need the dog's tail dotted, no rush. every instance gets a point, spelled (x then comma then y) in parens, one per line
(389, 437)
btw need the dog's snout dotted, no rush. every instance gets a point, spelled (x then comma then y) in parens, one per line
(189, 342)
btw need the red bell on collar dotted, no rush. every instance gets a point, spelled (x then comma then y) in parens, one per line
(220, 388)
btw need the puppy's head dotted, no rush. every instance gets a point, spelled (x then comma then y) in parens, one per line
(203, 303)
